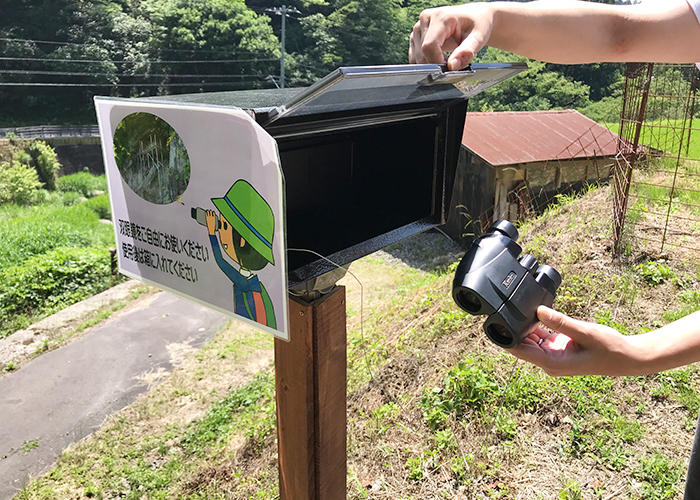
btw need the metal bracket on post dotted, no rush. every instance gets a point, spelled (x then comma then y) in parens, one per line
(311, 384)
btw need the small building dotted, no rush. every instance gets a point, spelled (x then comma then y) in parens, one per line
(513, 164)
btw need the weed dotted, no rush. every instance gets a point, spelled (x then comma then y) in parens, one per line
(444, 440)
(382, 416)
(30, 445)
(10, 366)
(47, 283)
(678, 384)
(579, 439)
(628, 430)
(654, 273)
(43, 346)
(537, 247)
(572, 491)
(659, 476)
(689, 301)
(605, 318)
(83, 183)
(415, 468)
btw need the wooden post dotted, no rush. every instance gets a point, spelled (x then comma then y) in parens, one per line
(311, 384)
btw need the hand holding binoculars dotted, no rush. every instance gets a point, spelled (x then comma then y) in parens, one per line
(492, 280)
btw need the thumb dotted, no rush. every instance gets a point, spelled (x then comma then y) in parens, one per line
(577, 330)
(465, 51)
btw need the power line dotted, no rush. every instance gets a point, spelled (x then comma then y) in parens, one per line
(147, 75)
(208, 84)
(73, 44)
(125, 61)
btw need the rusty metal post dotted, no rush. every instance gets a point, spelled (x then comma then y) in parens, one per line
(620, 200)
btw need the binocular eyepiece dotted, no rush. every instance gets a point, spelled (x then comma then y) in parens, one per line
(493, 280)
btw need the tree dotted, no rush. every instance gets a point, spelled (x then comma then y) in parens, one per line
(213, 30)
(536, 88)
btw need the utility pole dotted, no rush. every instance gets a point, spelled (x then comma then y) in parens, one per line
(283, 11)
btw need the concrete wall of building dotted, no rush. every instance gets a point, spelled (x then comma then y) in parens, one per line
(484, 193)
(77, 157)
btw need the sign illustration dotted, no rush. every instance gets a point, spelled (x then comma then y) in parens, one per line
(246, 229)
(197, 199)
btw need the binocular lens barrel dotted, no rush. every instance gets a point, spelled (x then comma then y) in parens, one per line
(500, 335)
(468, 301)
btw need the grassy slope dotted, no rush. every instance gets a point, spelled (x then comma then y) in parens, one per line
(444, 414)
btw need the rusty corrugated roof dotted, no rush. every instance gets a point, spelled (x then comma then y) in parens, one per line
(509, 137)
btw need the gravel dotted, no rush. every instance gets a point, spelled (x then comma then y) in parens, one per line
(428, 251)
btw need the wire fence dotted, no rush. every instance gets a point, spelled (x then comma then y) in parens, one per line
(657, 175)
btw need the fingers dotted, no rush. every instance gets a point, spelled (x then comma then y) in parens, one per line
(530, 352)
(462, 30)
(573, 328)
(428, 38)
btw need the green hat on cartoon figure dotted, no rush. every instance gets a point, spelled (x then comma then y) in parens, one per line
(250, 216)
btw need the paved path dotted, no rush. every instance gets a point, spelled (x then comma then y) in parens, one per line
(64, 395)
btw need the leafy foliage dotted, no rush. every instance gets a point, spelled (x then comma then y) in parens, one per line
(26, 232)
(250, 403)
(100, 205)
(83, 183)
(48, 282)
(18, 183)
(653, 272)
(46, 162)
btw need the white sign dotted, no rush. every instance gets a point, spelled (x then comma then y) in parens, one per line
(197, 199)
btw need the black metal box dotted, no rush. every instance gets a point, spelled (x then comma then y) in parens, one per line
(368, 154)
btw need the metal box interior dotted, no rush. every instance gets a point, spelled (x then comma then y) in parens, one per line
(364, 166)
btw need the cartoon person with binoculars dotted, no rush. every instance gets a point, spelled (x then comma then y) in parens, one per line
(245, 224)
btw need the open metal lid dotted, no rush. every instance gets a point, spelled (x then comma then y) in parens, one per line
(361, 87)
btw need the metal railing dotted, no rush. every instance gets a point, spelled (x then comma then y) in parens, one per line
(50, 131)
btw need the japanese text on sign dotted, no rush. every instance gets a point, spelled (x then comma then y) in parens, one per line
(158, 239)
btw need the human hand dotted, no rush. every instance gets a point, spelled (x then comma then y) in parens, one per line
(211, 222)
(577, 348)
(461, 29)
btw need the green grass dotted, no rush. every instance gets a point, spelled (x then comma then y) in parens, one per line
(48, 253)
(29, 231)
(660, 134)
(659, 476)
(250, 409)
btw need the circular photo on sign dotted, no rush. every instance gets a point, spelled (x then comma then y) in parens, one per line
(151, 158)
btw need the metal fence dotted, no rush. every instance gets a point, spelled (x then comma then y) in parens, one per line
(50, 131)
(657, 175)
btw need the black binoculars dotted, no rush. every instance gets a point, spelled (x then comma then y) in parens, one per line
(200, 215)
(492, 280)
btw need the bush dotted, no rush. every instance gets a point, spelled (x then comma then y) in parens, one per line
(18, 183)
(100, 205)
(27, 231)
(46, 283)
(46, 162)
(70, 198)
(83, 182)
(44, 197)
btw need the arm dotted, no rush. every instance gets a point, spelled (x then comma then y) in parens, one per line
(567, 32)
(580, 348)
(227, 268)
